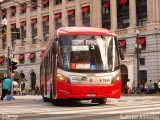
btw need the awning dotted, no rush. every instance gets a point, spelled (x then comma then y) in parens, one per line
(141, 40)
(1, 59)
(105, 4)
(122, 43)
(85, 9)
(34, 4)
(23, 23)
(57, 15)
(21, 57)
(42, 53)
(122, 1)
(45, 18)
(71, 12)
(31, 55)
(13, 25)
(34, 20)
(45, 1)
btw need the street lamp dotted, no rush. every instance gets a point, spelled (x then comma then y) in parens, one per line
(137, 51)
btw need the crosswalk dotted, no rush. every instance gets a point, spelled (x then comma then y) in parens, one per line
(96, 112)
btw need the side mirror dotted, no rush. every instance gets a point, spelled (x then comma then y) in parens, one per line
(121, 53)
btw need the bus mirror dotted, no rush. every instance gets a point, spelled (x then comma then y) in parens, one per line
(121, 52)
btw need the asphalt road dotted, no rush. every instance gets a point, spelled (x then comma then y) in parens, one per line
(127, 108)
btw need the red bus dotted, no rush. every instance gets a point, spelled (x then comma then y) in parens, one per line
(81, 63)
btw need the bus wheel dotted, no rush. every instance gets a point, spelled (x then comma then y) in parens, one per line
(100, 101)
(44, 98)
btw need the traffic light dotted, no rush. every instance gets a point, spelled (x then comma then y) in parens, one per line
(13, 66)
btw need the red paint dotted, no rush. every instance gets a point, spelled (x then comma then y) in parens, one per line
(66, 91)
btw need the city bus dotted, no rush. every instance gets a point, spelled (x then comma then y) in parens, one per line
(81, 63)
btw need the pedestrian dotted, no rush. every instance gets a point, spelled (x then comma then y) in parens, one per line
(129, 86)
(6, 86)
(30, 90)
(159, 86)
(134, 88)
(151, 87)
(23, 88)
(36, 89)
(146, 89)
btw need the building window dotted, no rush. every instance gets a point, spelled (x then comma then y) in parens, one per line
(71, 17)
(13, 11)
(4, 13)
(123, 14)
(4, 36)
(34, 30)
(46, 28)
(106, 23)
(23, 8)
(142, 61)
(21, 59)
(86, 16)
(23, 32)
(32, 57)
(58, 20)
(13, 37)
(1, 61)
(141, 7)
(45, 3)
(33, 5)
(143, 76)
(58, 2)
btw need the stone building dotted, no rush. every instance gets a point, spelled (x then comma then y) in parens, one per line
(38, 19)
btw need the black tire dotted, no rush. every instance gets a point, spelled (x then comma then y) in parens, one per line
(44, 98)
(100, 101)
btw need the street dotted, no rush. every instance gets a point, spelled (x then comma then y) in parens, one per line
(32, 107)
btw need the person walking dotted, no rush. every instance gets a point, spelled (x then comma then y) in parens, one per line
(146, 88)
(6, 86)
(159, 86)
(151, 87)
(36, 89)
(129, 86)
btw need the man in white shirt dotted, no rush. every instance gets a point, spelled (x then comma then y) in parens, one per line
(129, 86)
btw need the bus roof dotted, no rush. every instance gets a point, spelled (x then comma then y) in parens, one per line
(83, 30)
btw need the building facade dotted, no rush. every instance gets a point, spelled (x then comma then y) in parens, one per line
(38, 20)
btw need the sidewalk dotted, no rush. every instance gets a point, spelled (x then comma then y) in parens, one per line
(141, 94)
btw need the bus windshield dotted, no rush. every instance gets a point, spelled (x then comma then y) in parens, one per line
(88, 53)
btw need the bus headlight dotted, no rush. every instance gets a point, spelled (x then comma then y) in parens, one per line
(63, 78)
(116, 78)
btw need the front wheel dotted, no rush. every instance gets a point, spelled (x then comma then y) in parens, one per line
(100, 101)
(44, 98)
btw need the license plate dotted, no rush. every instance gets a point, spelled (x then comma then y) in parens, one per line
(91, 95)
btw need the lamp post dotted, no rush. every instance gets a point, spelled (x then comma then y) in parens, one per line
(137, 51)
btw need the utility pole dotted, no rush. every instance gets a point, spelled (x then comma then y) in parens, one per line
(137, 51)
(8, 61)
